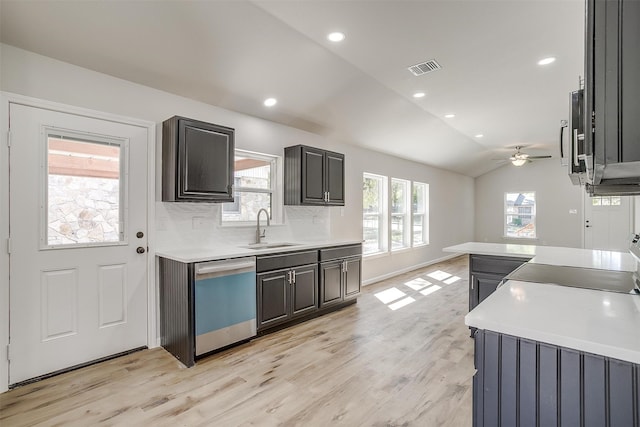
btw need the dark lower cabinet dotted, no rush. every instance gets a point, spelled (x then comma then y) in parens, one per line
(340, 275)
(273, 298)
(296, 286)
(520, 382)
(481, 286)
(286, 294)
(485, 274)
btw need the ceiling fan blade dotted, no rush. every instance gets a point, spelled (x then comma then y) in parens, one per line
(539, 157)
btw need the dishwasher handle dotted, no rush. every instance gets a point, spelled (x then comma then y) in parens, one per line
(217, 267)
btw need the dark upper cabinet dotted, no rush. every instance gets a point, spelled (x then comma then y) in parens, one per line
(313, 176)
(612, 96)
(197, 161)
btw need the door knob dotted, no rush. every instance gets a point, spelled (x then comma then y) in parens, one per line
(139, 234)
(140, 250)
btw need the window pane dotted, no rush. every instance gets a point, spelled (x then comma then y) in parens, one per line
(520, 211)
(83, 192)
(245, 206)
(398, 196)
(371, 233)
(253, 188)
(373, 218)
(595, 201)
(418, 202)
(418, 230)
(397, 231)
(371, 195)
(616, 200)
(252, 172)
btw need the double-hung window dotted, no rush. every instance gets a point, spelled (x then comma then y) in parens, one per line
(374, 213)
(254, 188)
(419, 210)
(400, 217)
(520, 215)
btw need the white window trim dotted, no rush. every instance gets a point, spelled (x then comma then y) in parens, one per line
(383, 214)
(277, 197)
(534, 217)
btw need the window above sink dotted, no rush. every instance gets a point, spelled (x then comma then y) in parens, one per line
(255, 187)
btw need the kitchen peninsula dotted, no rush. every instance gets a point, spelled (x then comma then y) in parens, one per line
(547, 354)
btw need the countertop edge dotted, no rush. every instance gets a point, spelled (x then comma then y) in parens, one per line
(230, 251)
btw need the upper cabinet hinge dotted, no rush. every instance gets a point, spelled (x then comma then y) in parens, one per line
(8, 352)
(9, 245)
(9, 138)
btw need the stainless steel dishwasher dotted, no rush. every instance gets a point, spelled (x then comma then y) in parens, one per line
(225, 303)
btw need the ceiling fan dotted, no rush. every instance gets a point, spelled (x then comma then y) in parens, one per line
(519, 158)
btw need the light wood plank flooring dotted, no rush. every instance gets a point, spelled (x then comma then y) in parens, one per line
(366, 365)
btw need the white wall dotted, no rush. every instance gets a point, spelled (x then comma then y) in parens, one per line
(452, 195)
(555, 198)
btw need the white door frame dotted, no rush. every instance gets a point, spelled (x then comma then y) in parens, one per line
(7, 98)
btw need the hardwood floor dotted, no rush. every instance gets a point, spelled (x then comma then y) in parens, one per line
(366, 365)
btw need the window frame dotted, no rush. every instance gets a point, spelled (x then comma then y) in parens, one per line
(123, 193)
(276, 209)
(533, 215)
(381, 215)
(424, 214)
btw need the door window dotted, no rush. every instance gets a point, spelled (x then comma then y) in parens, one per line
(83, 190)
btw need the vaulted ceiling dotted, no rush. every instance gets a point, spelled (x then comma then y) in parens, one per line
(234, 54)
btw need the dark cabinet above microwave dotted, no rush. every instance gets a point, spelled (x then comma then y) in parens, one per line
(197, 161)
(612, 97)
(313, 177)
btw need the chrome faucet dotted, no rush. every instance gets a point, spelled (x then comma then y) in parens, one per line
(260, 235)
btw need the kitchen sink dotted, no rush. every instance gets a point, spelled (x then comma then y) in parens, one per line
(266, 245)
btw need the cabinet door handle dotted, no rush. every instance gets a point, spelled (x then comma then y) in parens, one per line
(294, 276)
(472, 282)
(289, 276)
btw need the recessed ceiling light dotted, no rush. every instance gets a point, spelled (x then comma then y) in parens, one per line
(479, 135)
(419, 95)
(450, 116)
(336, 36)
(270, 102)
(546, 61)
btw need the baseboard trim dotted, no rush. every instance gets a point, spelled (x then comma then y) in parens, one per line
(73, 368)
(407, 269)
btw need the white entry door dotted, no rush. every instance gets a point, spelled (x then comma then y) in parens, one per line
(607, 224)
(78, 218)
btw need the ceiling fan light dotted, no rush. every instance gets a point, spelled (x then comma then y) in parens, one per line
(518, 162)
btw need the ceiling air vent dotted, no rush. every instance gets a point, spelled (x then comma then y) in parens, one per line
(424, 67)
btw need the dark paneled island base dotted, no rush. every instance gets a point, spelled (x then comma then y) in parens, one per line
(520, 382)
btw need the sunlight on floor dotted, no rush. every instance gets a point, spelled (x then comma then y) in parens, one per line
(390, 295)
(430, 290)
(401, 303)
(417, 284)
(395, 299)
(439, 275)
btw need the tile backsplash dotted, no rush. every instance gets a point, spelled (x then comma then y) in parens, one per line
(181, 225)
